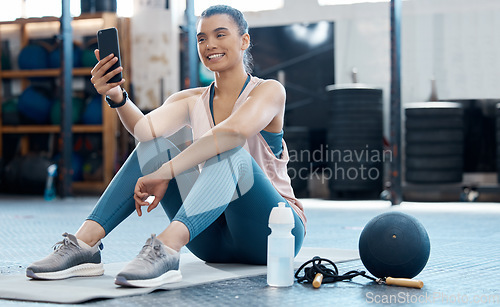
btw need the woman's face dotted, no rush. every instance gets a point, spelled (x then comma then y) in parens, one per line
(220, 45)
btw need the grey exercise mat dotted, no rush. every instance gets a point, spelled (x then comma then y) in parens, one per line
(194, 272)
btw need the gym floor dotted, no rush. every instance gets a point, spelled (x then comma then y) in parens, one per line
(462, 268)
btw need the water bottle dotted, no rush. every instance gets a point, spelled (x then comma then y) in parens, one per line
(280, 247)
(50, 189)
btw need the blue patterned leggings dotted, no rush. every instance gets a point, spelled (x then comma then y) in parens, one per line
(226, 207)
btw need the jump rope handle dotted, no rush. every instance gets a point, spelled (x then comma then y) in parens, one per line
(404, 282)
(318, 279)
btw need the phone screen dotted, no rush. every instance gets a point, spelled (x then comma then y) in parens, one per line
(107, 41)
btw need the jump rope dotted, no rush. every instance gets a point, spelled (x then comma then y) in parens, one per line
(320, 273)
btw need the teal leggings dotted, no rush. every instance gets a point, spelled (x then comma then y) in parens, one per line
(226, 207)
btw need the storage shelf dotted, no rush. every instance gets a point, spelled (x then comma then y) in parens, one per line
(83, 24)
(49, 129)
(55, 72)
(89, 186)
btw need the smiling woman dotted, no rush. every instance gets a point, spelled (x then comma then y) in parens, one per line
(223, 35)
(221, 212)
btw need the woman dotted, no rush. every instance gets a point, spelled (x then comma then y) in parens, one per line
(221, 213)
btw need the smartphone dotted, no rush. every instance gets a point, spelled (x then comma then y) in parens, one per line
(107, 43)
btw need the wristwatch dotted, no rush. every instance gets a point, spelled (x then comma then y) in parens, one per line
(113, 104)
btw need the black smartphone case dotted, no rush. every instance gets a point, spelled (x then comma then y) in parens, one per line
(107, 43)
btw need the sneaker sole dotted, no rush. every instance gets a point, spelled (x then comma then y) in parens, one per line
(167, 278)
(82, 270)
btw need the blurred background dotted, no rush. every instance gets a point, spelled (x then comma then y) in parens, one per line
(332, 56)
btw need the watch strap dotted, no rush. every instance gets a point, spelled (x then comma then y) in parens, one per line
(113, 104)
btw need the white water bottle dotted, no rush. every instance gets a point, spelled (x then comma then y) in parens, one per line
(280, 247)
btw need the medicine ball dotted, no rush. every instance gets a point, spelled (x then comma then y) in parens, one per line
(76, 165)
(93, 167)
(6, 63)
(33, 56)
(77, 109)
(27, 174)
(55, 57)
(88, 58)
(34, 105)
(394, 244)
(10, 114)
(93, 112)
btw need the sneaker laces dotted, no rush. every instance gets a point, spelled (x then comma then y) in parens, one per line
(65, 245)
(151, 251)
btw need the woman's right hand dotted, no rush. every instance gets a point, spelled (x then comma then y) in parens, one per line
(100, 78)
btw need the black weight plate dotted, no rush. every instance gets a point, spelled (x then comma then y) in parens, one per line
(338, 144)
(430, 123)
(363, 124)
(433, 109)
(348, 132)
(360, 105)
(437, 136)
(346, 120)
(445, 149)
(349, 185)
(434, 163)
(451, 176)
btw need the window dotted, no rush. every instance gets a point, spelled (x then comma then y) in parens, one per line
(336, 2)
(242, 5)
(13, 9)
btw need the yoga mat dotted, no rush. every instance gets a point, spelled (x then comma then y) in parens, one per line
(194, 272)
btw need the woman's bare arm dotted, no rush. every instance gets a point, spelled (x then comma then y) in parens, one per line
(166, 120)
(262, 106)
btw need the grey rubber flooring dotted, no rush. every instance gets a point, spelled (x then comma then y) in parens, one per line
(462, 269)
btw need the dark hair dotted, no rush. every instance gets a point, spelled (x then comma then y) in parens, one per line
(239, 20)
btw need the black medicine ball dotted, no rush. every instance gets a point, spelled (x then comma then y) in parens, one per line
(394, 244)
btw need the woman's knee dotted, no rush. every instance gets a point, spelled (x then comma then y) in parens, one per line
(237, 159)
(153, 154)
(299, 233)
(223, 155)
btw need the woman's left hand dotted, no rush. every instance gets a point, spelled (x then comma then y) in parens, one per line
(147, 186)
